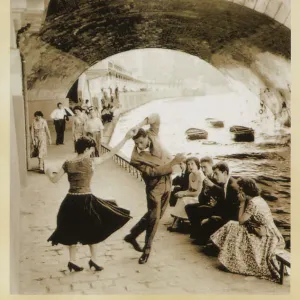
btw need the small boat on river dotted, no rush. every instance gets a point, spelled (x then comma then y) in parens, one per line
(242, 133)
(215, 123)
(196, 134)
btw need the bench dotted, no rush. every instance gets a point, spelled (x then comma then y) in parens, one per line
(284, 258)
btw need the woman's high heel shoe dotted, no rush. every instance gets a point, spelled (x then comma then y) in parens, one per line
(144, 258)
(92, 264)
(74, 267)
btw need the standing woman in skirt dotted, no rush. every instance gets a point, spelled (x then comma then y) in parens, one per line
(82, 217)
(40, 134)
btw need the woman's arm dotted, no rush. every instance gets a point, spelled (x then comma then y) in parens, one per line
(54, 177)
(189, 193)
(116, 149)
(32, 134)
(243, 216)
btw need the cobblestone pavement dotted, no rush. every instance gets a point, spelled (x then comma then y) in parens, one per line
(175, 266)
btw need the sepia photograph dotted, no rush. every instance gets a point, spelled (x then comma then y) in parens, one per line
(150, 147)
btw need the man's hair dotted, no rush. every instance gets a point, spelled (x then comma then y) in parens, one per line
(249, 186)
(59, 104)
(222, 166)
(195, 160)
(206, 159)
(141, 133)
(84, 143)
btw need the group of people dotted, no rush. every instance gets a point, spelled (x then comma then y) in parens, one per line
(227, 212)
(85, 123)
(228, 216)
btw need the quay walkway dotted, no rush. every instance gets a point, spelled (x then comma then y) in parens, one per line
(175, 266)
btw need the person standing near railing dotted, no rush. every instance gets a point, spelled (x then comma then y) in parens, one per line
(155, 164)
(94, 128)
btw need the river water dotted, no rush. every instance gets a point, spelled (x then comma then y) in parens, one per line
(267, 159)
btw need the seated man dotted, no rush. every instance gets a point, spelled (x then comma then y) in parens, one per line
(224, 210)
(180, 183)
(210, 194)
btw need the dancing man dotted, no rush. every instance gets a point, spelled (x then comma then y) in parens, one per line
(155, 164)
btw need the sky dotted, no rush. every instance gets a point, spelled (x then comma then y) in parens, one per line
(165, 65)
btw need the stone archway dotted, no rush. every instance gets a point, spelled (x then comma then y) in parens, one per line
(227, 35)
(242, 43)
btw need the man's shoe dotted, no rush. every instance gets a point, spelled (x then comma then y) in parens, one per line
(144, 258)
(211, 250)
(129, 239)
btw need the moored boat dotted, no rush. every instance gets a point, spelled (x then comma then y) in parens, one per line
(242, 133)
(215, 123)
(196, 134)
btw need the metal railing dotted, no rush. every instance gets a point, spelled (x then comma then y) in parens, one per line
(122, 162)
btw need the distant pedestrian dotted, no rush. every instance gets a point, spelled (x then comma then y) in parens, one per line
(59, 116)
(39, 134)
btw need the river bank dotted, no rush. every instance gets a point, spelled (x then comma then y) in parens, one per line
(267, 159)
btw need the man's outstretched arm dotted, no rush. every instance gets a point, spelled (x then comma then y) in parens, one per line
(155, 171)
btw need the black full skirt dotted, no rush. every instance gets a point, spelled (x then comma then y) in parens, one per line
(88, 220)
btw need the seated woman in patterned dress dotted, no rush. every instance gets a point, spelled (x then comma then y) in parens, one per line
(190, 195)
(82, 217)
(248, 246)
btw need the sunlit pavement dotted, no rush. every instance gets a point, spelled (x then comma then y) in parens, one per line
(175, 266)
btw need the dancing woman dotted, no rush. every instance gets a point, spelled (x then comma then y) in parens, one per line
(82, 217)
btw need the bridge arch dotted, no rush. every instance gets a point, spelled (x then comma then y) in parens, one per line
(242, 43)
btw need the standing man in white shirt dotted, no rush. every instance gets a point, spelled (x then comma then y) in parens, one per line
(94, 128)
(59, 116)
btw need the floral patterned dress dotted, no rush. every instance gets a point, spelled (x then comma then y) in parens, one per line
(40, 136)
(245, 252)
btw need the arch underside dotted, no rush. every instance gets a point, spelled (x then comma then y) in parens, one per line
(243, 44)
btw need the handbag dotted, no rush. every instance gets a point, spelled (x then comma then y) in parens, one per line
(34, 152)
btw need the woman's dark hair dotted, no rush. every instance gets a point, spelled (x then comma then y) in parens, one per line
(58, 104)
(141, 133)
(249, 186)
(84, 143)
(77, 107)
(222, 166)
(38, 113)
(195, 160)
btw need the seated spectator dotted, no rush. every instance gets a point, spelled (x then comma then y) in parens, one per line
(180, 183)
(210, 194)
(190, 195)
(248, 246)
(226, 209)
